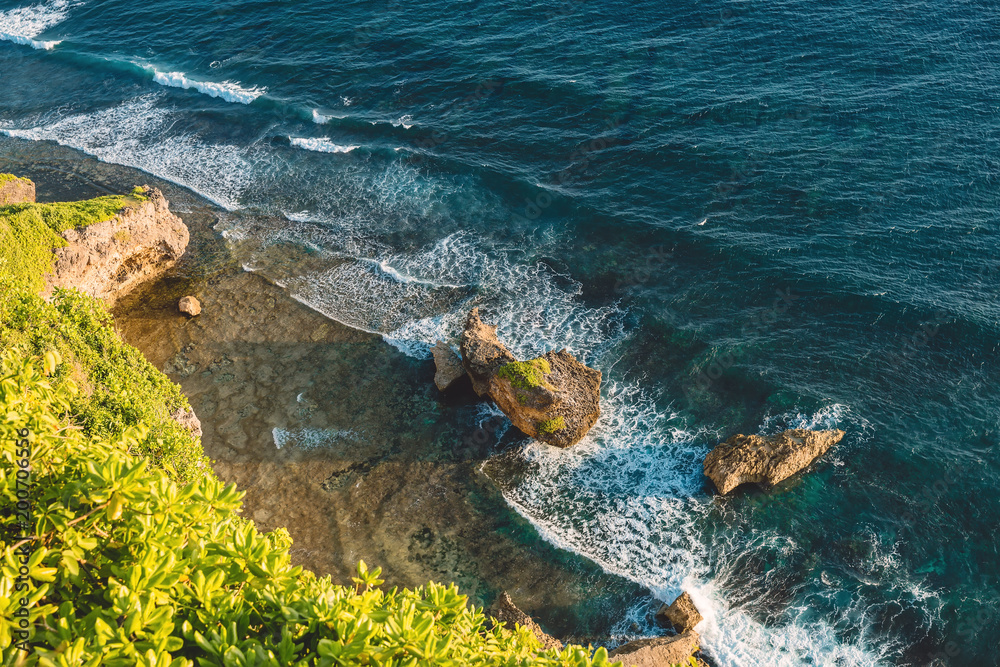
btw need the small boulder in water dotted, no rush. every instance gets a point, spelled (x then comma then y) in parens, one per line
(681, 615)
(766, 460)
(448, 366)
(189, 306)
(554, 398)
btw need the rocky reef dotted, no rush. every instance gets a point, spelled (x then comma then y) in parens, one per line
(554, 398)
(766, 460)
(108, 259)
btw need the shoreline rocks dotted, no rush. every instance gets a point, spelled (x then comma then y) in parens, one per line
(681, 614)
(554, 398)
(15, 190)
(505, 611)
(657, 651)
(766, 460)
(108, 259)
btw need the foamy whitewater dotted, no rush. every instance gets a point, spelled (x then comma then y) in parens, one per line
(229, 91)
(22, 24)
(748, 216)
(320, 145)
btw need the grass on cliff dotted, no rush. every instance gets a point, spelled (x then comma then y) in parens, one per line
(120, 388)
(7, 178)
(29, 232)
(526, 374)
(124, 566)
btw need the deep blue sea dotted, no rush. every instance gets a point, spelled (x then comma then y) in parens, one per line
(749, 215)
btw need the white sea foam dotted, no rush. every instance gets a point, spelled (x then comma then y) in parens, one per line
(23, 24)
(138, 133)
(322, 118)
(629, 498)
(310, 438)
(321, 145)
(405, 121)
(230, 91)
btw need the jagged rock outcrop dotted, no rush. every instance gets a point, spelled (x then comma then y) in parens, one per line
(657, 651)
(681, 614)
(14, 190)
(482, 352)
(447, 364)
(504, 610)
(189, 306)
(766, 460)
(107, 259)
(554, 398)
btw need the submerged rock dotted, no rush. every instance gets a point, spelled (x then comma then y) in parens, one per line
(766, 460)
(554, 398)
(657, 651)
(681, 615)
(189, 305)
(448, 366)
(107, 259)
(504, 610)
(14, 190)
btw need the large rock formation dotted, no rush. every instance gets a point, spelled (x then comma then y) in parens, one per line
(447, 364)
(766, 460)
(504, 610)
(14, 190)
(553, 398)
(681, 615)
(107, 259)
(657, 651)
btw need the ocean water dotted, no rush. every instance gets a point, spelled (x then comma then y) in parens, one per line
(750, 216)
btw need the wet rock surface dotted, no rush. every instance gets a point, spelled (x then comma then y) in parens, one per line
(766, 460)
(554, 398)
(506, 611)
(681, 614)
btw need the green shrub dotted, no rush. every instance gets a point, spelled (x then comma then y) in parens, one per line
(119, 387)
(551, 425)
(526, 374)
(124, 566)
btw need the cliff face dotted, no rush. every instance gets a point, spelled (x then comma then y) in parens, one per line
(107, 259)
(14, 190)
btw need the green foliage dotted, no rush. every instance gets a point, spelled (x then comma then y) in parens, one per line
(29, 232)
(551, 425)
(124, 566)
(6, 178)
(120, 388)
(526, 374)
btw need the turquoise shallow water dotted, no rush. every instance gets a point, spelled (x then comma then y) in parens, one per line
(750, 215)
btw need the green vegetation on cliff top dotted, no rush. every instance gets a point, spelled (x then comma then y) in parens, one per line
(550, 426)
(526, 374)
(133, 552)
(6, 178)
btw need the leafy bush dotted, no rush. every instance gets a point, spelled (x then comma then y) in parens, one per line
(124, 566)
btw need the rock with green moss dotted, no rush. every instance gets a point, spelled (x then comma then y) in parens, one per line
(553, 398)
(14, 190)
